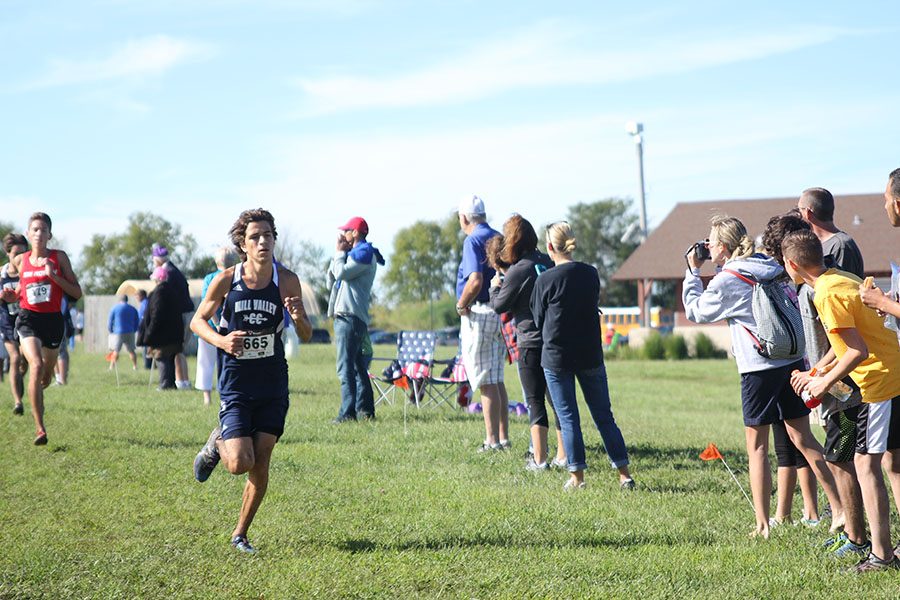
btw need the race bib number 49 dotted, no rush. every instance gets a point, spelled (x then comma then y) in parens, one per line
(38, 293)
(258, 346)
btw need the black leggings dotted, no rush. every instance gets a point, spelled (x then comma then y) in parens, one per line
(786, 453)
(534, 386)
(166, 366)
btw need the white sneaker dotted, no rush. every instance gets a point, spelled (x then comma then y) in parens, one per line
(571, 486)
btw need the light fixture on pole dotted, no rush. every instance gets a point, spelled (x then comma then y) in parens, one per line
(636, 130)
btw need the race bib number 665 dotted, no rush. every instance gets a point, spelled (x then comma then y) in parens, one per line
(258, 346)
(38, 293)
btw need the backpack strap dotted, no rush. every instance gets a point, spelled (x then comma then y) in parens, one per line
(751, 283)
(743, 278)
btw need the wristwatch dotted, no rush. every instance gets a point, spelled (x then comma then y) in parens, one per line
(461, 309)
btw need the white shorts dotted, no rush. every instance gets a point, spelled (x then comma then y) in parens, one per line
(483, 350)
(206, 365)
(878, 427)
(117, 340)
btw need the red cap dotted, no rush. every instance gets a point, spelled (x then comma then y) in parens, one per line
(358, 224)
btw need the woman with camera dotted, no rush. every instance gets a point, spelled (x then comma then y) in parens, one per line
(564, 307)
(766, 393)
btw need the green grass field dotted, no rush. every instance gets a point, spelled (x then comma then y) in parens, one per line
(109, 509)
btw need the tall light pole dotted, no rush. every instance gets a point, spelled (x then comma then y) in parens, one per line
(636, 130)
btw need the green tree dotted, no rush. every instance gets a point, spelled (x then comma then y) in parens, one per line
(108, 260)
(421, 266)
(5, 227)
(599, 227)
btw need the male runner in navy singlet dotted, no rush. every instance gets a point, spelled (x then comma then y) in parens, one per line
(253, 373)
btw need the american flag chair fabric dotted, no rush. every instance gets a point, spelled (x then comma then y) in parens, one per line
(428, 381)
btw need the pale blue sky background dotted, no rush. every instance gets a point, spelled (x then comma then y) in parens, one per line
(322, 109)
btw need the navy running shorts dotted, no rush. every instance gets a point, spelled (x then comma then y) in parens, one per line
(241, 415)
(767, 396)
(47, 327)
(8, 328)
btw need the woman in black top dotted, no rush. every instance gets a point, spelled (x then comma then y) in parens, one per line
(564, 306)
(162, 329)
(512, 293)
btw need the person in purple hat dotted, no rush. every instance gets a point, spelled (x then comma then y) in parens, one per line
(350, 276)
(178, 282)
(160, 329)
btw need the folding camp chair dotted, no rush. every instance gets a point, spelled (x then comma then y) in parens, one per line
(433, 382)
(387, 382)
(416, 372)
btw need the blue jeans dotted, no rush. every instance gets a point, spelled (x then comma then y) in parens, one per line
(596, 396)
(356, 389)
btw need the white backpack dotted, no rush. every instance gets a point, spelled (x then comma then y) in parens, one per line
(779, 326)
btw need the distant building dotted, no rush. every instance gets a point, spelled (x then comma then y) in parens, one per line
(661, 257)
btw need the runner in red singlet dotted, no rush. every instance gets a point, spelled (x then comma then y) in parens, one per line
(44, 276)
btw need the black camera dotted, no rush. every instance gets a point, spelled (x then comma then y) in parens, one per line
(700, 250)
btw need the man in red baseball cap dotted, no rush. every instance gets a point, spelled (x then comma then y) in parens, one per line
(351, 275)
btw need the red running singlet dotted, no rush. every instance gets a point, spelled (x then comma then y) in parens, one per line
(37, 292)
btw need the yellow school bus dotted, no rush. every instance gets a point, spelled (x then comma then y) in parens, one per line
(622, 319)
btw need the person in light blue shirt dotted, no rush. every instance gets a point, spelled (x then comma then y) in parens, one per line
(206, 352)
(123, 324)
(351, 275)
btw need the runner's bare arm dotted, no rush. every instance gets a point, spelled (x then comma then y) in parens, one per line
(66, 277)
(215, 295)
(292, 296)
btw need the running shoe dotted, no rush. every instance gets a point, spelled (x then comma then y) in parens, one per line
(849, 548)
(18, 409)
(628, 484)
(571, 486)
(41, 439)
(485, 447)
(810, 522)
(208, 457)
(835, 542)
(505, 444)
(242, 544)
(873, 563)
(559, 463)
(532, 465)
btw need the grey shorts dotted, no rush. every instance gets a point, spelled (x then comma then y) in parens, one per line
(117, 340)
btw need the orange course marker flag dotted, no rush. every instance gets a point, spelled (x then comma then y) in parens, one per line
(711, 453)
(402, 383)
(109, 356)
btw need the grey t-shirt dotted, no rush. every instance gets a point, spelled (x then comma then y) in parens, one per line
(845, 253)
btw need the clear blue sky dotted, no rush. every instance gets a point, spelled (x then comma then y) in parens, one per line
(323, 109)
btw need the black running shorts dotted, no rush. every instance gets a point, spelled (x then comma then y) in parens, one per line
(840, 435)
(47, 327)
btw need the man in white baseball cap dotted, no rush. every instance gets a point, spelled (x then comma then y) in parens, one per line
(483, 350)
